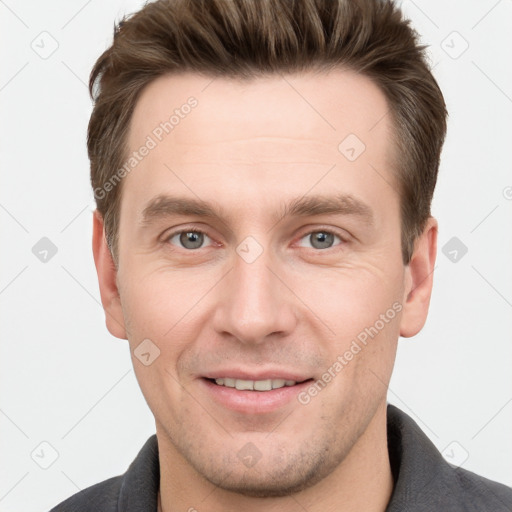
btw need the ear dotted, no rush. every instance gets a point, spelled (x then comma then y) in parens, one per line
(107, 274)
(419, 277)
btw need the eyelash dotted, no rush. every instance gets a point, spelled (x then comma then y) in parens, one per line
(342, 239)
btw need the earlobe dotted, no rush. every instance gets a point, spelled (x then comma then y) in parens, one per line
(107, 274)
(418, 281)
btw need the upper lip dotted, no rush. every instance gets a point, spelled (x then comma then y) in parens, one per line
(256, 375)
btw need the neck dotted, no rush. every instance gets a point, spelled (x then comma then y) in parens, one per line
(363, 481)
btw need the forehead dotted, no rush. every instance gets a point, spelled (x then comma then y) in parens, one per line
(281, 132)
(322, 108)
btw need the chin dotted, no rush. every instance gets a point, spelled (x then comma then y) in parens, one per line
(261, 482)
(267, 489)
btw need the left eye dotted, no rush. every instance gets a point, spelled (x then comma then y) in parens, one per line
(320, 239)
(189, 239)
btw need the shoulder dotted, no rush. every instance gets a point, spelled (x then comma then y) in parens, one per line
(102, 496)
(425, 481)
(134, 491)
(478, 492)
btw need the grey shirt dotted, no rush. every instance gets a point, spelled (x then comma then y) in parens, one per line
(423, 480)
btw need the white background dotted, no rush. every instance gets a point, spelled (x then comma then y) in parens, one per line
(67, 382)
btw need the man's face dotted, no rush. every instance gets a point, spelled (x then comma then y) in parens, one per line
(256, 295)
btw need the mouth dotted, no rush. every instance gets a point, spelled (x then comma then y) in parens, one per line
(254, 396)
(255, 385)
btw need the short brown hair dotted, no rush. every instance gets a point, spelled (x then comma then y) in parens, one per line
(249, 38)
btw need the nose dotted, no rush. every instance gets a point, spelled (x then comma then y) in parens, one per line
(254, 302)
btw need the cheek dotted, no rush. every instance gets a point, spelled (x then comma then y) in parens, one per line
(159, 313)
(152, 310)
(362, 309)
(349, 300)
(165, 307)
(156, 303)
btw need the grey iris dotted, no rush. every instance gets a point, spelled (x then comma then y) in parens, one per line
(321, 240)
(192, 238)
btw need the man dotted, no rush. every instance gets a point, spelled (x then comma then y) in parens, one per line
(263, 172)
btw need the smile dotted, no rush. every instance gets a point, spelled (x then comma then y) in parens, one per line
(254, 385)
(253, 396)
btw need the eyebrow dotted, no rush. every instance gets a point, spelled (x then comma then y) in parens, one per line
(339, 204)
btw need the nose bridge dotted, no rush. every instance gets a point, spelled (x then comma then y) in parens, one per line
(253, 303)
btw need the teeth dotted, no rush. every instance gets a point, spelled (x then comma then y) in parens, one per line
(278, 383)
(254, 385)
(263, 385)
(242, 385)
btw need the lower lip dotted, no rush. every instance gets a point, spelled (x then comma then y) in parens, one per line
(253, 402)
